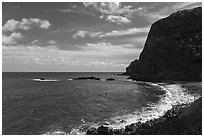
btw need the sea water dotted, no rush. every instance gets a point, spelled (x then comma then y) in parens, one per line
(54, 103)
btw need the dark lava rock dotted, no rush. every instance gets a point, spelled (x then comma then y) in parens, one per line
(86, 78)
(119, 132)
(131, 127)
(173, 49)
(92, 131)
(40, 78)
(103, 130)
(110, 79)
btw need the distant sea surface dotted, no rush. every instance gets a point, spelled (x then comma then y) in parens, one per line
(60, 105)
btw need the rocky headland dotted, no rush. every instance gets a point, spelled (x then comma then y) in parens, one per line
(173, 49)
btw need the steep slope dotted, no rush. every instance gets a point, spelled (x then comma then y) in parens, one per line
(173, 49)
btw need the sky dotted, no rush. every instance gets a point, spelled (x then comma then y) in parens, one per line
(78, 37)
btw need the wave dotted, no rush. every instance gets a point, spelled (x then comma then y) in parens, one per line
(56, 132)
(89, 79)
(175, 95)
(44, 80)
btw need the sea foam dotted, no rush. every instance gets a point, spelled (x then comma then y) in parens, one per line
(44, 80)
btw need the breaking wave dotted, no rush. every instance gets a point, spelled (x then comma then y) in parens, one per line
(55, 132)
(44, 80)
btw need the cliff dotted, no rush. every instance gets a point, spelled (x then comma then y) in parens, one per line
(173, 49)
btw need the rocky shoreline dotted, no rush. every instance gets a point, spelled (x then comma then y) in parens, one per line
(183, 119)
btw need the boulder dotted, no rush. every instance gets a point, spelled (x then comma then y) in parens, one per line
(103, 130)
(131, 127)
(86, 78)
(110, 79)
(39, 78)
(92, 131)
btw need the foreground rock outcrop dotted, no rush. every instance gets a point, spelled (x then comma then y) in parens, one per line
(173, 49)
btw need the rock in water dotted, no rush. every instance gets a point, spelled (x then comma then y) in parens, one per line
(131, 127)
(110, 79)
(39, 78)
(86, 78)
(173, 49)
(92, 131)
(103, 130)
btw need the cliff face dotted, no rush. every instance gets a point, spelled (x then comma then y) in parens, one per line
(173, 49)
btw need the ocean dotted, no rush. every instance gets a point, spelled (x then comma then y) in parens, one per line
(58, 104)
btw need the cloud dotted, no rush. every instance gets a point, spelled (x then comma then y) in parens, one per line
(130, 31)
(83, 33)
(68, 10)
(136, 42)
(112, 11)
(117, 13)
(52, 42)
(77, 10)
(51, 55)
(182, 5)
(80, 33)
(109, 48)
(92, 57)
(11, 39)
(118, 19)
(25, 24)
(152, 16)
(111, 8)
(95, 34)
(35, 43)
(104, 64)
(114, 33)
(34, 54)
